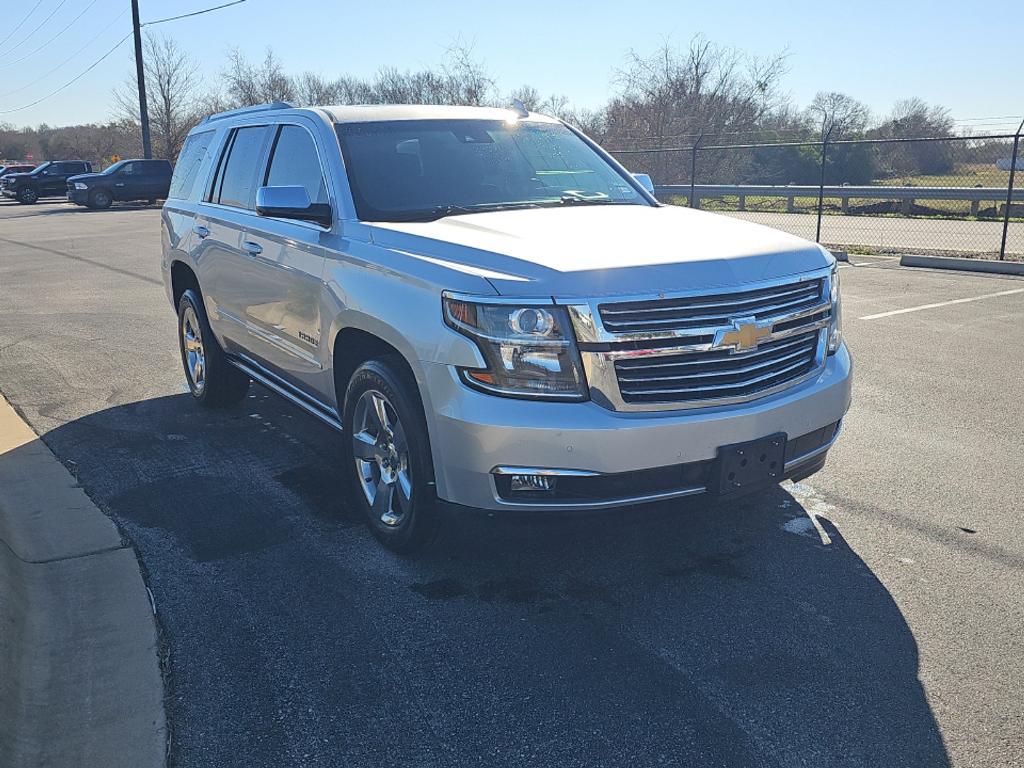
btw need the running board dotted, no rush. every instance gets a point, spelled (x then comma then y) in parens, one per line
(280, 389)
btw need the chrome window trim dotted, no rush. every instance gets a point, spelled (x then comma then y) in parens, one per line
(328, 186)
(599, 364)
(222, 151)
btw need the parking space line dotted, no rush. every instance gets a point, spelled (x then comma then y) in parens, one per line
(941, 304)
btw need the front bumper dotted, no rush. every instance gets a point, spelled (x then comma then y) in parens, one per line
(78, 196)
(472, 434)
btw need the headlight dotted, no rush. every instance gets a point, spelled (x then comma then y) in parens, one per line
(529, 349)
(80, 185)
(835, 332)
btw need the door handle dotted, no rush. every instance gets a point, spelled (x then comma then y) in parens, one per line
(253, 249)
(200, 230)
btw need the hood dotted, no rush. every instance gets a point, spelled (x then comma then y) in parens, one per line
(84, 177)
(12, 178)
(604, 250)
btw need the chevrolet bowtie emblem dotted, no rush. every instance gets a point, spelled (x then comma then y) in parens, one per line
(744, 334)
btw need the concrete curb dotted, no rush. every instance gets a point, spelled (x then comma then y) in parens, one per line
(79, 674)
(966, 265)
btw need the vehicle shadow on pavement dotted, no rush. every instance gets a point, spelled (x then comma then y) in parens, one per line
(688, 634)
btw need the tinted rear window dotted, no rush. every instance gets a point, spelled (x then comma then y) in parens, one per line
(236, 182)
(190, 160)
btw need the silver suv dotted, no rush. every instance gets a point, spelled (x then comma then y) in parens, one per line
(495, 314)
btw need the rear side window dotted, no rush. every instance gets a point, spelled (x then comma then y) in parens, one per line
(154, 168)
(236, 181)
(190, 159)
(295, 163)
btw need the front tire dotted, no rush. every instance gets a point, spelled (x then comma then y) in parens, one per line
(387, 455)
(212, 380)
(27, 196)
(100, 199)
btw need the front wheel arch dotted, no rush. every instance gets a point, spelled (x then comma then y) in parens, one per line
(389, 379)
(106, 198)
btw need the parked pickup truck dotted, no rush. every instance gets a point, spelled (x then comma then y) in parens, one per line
(495, 314)
(7, 170)
(46, 180)
(123, 181)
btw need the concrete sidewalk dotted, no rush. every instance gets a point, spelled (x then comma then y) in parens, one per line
(80, 681)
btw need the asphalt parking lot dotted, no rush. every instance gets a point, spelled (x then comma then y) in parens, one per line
(692, 634)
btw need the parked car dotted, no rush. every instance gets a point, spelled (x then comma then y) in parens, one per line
(47, 180)
(121, 182)
(495, 314)
(7, 170)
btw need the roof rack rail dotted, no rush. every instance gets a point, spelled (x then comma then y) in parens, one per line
(247, 110)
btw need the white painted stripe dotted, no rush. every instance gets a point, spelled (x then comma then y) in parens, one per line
(941, 304)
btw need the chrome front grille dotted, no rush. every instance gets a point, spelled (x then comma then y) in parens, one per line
(707, 349)
(701, 376)
(711, 309)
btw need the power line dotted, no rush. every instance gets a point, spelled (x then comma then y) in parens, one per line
(70, 82)
(33, 52)
(11, 33)
(194, 13)
(96, 63)
(70, 58)
(38, 26)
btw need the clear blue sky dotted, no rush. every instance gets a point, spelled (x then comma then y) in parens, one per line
(875, 51)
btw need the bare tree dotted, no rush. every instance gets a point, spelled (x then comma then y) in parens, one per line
(703, 89)
(672, 97)
(312, 89)
(915, 118)
(841, 116)
(172, 94)
(248, 84)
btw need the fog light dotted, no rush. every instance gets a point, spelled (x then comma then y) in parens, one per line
(533, 483)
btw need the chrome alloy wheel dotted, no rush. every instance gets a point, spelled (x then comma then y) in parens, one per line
(381, 454)
(192, 344)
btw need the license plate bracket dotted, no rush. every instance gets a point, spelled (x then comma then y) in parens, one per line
(742, 467)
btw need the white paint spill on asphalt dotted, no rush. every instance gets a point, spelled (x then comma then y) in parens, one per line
(812, 506)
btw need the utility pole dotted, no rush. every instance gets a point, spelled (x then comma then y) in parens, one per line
(147, 149)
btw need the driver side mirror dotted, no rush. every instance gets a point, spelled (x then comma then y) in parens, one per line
(645, 181)
(291, 202)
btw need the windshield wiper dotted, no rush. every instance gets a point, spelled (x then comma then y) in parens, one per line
(441, 211)
(578, 198)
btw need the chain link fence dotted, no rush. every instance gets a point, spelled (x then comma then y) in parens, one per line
(955, 196)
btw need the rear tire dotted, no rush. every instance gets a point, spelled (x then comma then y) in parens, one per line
(387, 455)
(100, 199)
(27, 196)
(212, 380)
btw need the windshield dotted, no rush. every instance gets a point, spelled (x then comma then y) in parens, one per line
(43, 167)
(116, 167)
(407, 170)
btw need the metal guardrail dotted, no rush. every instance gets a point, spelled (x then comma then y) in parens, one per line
(858, 159)
(906, 195)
